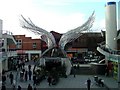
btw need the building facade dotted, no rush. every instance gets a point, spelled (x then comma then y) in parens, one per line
(84, 46)
(27, 48)
(31, 49)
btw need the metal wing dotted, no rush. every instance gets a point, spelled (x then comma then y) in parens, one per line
(28, 24)
(75, 33)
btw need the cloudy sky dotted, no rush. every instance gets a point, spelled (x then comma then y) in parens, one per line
(56, 15)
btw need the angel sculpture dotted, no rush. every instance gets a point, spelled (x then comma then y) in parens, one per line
(65, 38)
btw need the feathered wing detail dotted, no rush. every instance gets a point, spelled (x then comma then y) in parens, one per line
(47, 40)
(75, 33)
(28, 24)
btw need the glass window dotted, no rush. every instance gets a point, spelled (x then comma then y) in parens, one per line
(19, 43)
(34, 45)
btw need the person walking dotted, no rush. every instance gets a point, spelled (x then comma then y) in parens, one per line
(30, 74)
(34, 79)
(3, 79)
(88, 83)
(74, 71)
(26, 75)
(21, 75)
(106, 71)
(19, 87)
(29, 87)
(49, 80)
(13, 86)
(35, 88)
(3, 72)
(29, 67)
(11, 76)
(3, 87)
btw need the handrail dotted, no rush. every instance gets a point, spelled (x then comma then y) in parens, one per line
(109, 49)
(7, 32)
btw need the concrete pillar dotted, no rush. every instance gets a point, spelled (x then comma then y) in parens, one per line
(6, 59)
(111, 25)
(118, 29)
(118, 16)
(0, 46)
(1, 28)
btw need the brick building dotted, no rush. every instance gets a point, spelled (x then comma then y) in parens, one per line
(84, 46)
(27, 48)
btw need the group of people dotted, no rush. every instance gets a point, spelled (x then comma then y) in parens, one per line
(24, 76)
(29, 87)
(20, 64)
(4, 77)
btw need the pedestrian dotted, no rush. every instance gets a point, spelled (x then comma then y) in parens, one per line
(88, 83)
(74, 71)
(14, 87)
(19, 87)
(34, 79)
(107, 71)
(26, 75)
(3, 72)
(30, 74)
(11, 76)
(29, 87)
(35, 87)
(23, 70)
(101, 82)
(3, 79)
(49, 80)
(29, 67)
(21, 75)
(3, 87)
(23, 64)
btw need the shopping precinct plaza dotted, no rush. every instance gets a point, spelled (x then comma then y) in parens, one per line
(74, 56)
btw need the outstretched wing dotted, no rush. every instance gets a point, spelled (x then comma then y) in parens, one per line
(75, 33)
(28, 24)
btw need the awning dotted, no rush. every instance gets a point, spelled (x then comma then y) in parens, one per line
(20, 51)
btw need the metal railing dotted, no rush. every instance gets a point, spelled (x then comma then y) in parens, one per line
(7, 32)
(109, 50)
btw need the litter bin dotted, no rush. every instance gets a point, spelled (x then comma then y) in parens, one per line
(96, 78)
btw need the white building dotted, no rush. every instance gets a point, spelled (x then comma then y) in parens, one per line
(118, 15)
(6, 38)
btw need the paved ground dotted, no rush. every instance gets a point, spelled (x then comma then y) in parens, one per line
(79, 82)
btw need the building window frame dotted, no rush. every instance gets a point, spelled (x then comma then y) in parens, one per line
(34, 45)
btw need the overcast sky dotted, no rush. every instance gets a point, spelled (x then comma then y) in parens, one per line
(56, 15)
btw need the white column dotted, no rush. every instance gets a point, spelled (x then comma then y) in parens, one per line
(118, 16)
(111, 25)
(6, 59)
(0, 46)
(0, 29)
(118, 29)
